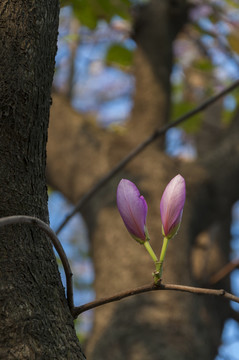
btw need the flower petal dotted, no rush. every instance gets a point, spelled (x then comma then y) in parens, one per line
(133, 208)
(172, 203)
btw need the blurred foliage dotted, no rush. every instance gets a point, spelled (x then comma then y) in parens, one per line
(226, 117)
(203, 64)
(206, 58)
(233, 40)
(230, 108)
(88, 12)
(49, 190)
(206, 52)
(119, 55)
(181, 108)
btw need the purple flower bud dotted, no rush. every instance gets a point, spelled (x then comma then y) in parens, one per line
(171, 206)
(133, 210)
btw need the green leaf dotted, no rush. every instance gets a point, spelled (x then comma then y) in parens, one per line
(227, 117)
(49, 190)
(233, 40)
(85, 13)
(65, 3)
(119, 55)
(203, 64)
(71, 37)
(90, 11)
(191, 125)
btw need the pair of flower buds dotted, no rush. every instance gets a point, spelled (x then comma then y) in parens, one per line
(133, 208)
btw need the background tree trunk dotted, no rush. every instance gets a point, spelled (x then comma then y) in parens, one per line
(35, 319)
(163, 325)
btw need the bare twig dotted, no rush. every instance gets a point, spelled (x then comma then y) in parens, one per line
(22, 219)
(224, 271)
(233, 314)
(152, 287)
(156, 134)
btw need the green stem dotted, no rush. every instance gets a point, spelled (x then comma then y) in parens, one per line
(162, 256)
(150, 251)
(155, 259)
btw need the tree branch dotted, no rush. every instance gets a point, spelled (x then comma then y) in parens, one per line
(22, 219)
(76, 311)
(156, 134)
(153, 287)
(234, 314)
(224, 271)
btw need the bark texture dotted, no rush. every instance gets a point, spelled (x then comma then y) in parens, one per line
(35, 322)
(160, 325)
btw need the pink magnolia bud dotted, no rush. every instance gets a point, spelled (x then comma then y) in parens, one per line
(171, 206)
(133, 210)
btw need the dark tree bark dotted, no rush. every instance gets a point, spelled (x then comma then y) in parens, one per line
(35, 322)
(163, 325)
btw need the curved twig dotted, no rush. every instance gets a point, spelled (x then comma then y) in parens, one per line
(156, 134)
(22, 219)
(153, 287)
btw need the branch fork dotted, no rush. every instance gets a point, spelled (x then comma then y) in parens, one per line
(76, 311)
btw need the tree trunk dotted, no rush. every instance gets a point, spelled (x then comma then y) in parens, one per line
(35, 319)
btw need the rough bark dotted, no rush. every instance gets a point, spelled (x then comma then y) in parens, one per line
(35, 322)
(163, 325)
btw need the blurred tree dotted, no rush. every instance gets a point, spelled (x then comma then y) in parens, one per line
(151, 326)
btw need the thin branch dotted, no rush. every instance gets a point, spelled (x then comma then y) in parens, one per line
(152, 287)
(223, 272)
(22, 219)
(156, 134)
(233, 314)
